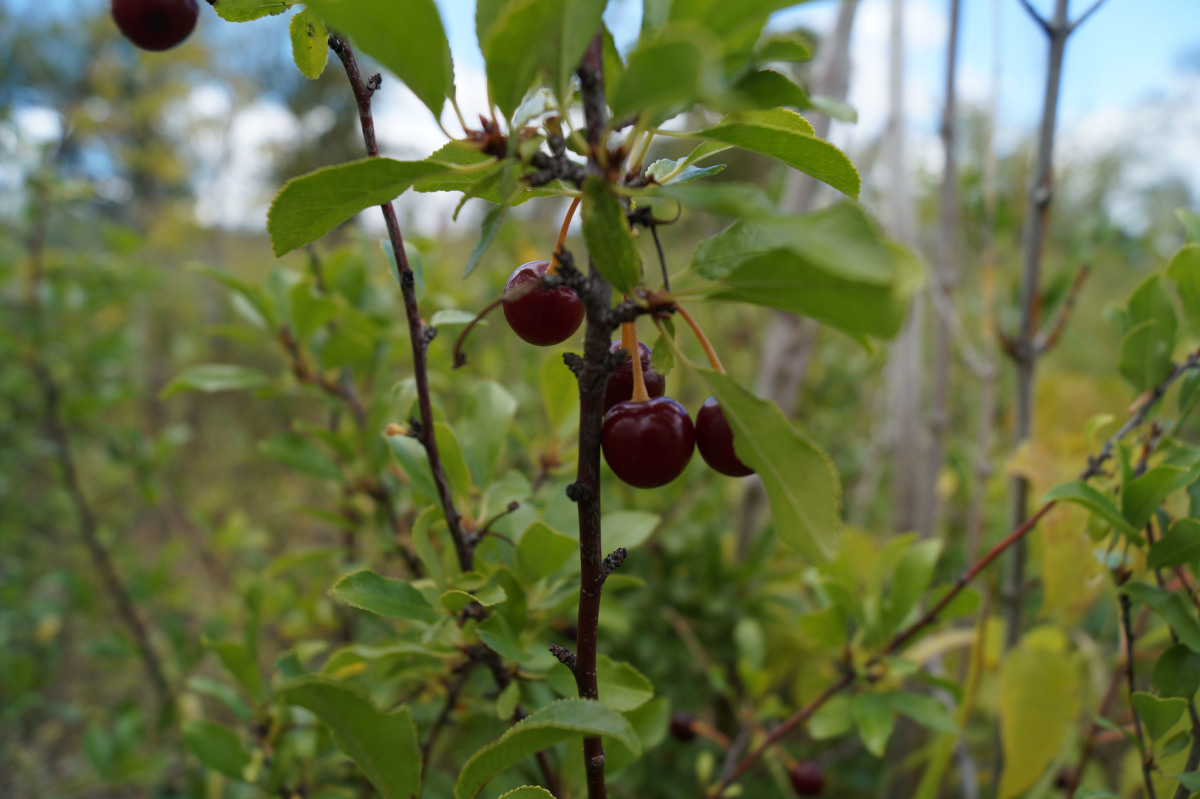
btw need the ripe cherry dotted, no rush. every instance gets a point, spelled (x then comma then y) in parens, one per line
(681, 726)
(807, 778)
(620, 385)
(155, 24)
(714, 439)
(647, 444)
(543, 316)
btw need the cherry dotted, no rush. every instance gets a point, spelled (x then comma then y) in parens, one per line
(681, 726)
(807, 778)
(647, 444)
(714, 439)
(155, 24)
(620, 385)
(543, 316)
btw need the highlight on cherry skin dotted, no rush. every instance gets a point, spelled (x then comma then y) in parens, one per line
(620, 385)
(647, 444)
(714, 439)
(542, 317)
(156, 25)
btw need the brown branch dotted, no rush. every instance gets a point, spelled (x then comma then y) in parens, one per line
(419, 334)
(1147, 758)
(1045, 340)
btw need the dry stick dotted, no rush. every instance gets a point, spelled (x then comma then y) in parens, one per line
(1024, 353)
(418, 333)
(1143, 406)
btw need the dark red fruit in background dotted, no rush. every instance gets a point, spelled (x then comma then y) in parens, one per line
(714, 439)
(543, 316)
(155, 24)
(807, 778)
(681, 726)
(648, 444)
(620, 385)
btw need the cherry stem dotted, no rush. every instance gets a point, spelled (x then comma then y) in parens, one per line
(630, 342)
(713, 360)
(562, 237)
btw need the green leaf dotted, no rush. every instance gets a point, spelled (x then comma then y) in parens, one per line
(766, 88)
(833, 266)
(1189, 780)
(560, 392)
(405, 36)
(560, 721)
(609, 243)
(1144, 359)
(628, 528)
(792, 48)
(384, 745)
(666, 75)
(484, 427)
(213, 377)
(1191, 224)
(237, 661)
(1158, 715)
(1173, 608)
(1184, 270)
(414, 461)
(542, 551)
(832, 720)
(310, 43)
(1143, 495)
(912, 577)
(1083, 494)
(1037, 703)
(1180, 546)
(621, 686)
(249, 10)
(452, 316)
(261, 310)
(1177, 672)
(800, 480)
(925, 710)
(741, 200)
(217, 747)
(491, 225)
(873, 717)
(528, 792)
(495, 632)
(384, 596)
(297, 452)
(223, 692)
(786, 136)
(309, 206)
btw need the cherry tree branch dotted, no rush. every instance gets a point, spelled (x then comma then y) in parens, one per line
(419, 334)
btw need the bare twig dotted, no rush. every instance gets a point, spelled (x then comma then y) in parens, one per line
(1146, 757)
(1041, 21)
(1084, 16)
(1046, 339)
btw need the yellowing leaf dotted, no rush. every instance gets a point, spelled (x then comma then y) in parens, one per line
(1037, 703)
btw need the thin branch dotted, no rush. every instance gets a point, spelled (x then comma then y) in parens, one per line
(419, 334)
(1041, 21)
(1130, 685)
(1045, 340)
(452, 693)
(1084, 16)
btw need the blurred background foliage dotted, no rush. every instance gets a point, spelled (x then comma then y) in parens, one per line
(106, 280)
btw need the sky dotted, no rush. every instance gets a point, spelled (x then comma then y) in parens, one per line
(1127, 83)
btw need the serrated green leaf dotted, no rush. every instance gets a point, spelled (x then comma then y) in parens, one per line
(1180, 546)
(786, 136)
(298, 452)
(312, 205)
(213, 377)
(383, 745)
(1158, 715)
(1083, 494)
(249, 10)
(1172, 608)
(560, 721)
(405, 36)
(542, 551)
(217, 747)
(609, 243)
(383, 596)
(528, 792)
(310, 43)
(800, 480)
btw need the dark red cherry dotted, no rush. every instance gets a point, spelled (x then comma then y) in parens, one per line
(155, 24)
(620, 385)
(543, 316)
(681, 726)
(714, 439)
(647, 444)
(807, 778)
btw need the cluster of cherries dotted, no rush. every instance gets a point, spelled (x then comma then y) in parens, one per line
(156, 24)
(647, 440)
